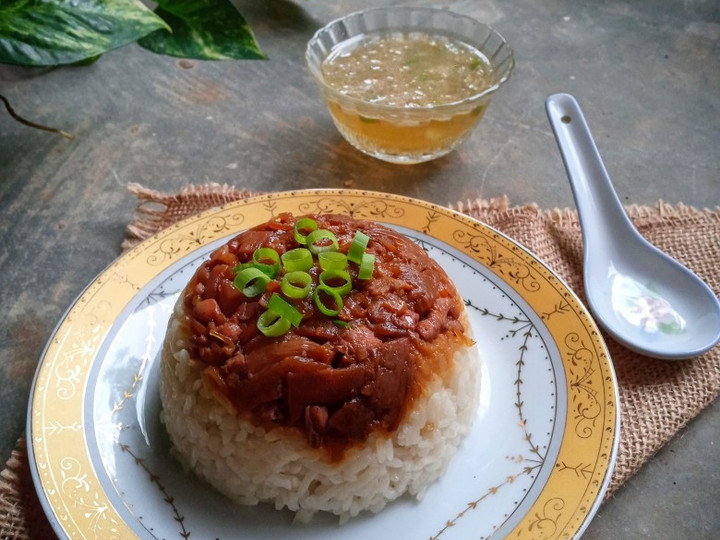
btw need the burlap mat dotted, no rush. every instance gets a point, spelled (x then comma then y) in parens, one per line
(657, 398)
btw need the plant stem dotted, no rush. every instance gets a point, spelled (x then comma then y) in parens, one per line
(22, 120)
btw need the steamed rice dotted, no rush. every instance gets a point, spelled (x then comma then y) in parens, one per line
(252, 463)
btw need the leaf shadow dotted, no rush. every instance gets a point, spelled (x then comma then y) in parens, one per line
(275, 14)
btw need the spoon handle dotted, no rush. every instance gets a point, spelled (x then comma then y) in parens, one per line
(598, 205)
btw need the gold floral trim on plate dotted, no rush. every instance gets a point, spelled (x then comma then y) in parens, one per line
(535, 466)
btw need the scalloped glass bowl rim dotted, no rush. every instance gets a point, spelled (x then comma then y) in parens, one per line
(437, 21)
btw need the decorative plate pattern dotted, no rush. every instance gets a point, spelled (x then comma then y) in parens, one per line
(535, 465)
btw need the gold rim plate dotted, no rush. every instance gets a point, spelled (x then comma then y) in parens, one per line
(536, 464)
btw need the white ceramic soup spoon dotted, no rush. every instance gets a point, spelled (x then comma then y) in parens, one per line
(645, 299)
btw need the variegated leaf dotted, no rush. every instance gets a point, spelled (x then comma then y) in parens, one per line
(204, 30)
(53, 32)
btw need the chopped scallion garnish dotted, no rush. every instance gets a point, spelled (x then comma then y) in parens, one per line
(296, 284)
(299, 259)
(284, 309)
(337, 280)
(319, 296)
(267, 260)
(334, 281)
(304, 225)
(357, 247)
(272, 324)
(251, 281)
(367, 266)
(321, 240)
(332, 260)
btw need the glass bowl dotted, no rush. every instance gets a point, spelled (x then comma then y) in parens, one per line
(407, 132)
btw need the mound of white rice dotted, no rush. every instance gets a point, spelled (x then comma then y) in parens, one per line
(252, 464)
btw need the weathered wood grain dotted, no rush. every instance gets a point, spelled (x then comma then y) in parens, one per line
(648, 78)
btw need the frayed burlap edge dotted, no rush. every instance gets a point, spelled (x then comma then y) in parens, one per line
(21, 514)
(156, 210)
(480, 207)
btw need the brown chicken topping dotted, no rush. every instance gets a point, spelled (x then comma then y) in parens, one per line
(337, 383)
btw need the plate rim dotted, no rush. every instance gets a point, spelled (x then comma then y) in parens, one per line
(169, 231)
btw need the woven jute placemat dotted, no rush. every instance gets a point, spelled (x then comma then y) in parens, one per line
(657, 398)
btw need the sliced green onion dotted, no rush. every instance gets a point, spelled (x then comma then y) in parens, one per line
(320, 303)
(341, 324)
(272, 324)
(357, 247)
(299, 259)
(319, 235)
(251, 281)
(305, 224)
(267, 260)
(276, 304)
(265, 269)
(296, 284)
(367, 266)
(329, 276)
(332, 260)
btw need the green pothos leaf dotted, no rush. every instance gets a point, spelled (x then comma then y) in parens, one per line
(204, 30)
(53, 32)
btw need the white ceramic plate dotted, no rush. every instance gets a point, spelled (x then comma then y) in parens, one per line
(535, 465)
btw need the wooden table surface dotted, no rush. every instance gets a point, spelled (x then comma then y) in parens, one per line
(647, 75)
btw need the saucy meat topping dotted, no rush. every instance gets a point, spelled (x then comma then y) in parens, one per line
(335, 378)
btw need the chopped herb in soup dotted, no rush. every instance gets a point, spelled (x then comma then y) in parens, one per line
(413, 69)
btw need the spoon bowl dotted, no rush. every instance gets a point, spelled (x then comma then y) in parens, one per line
(644, 298)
